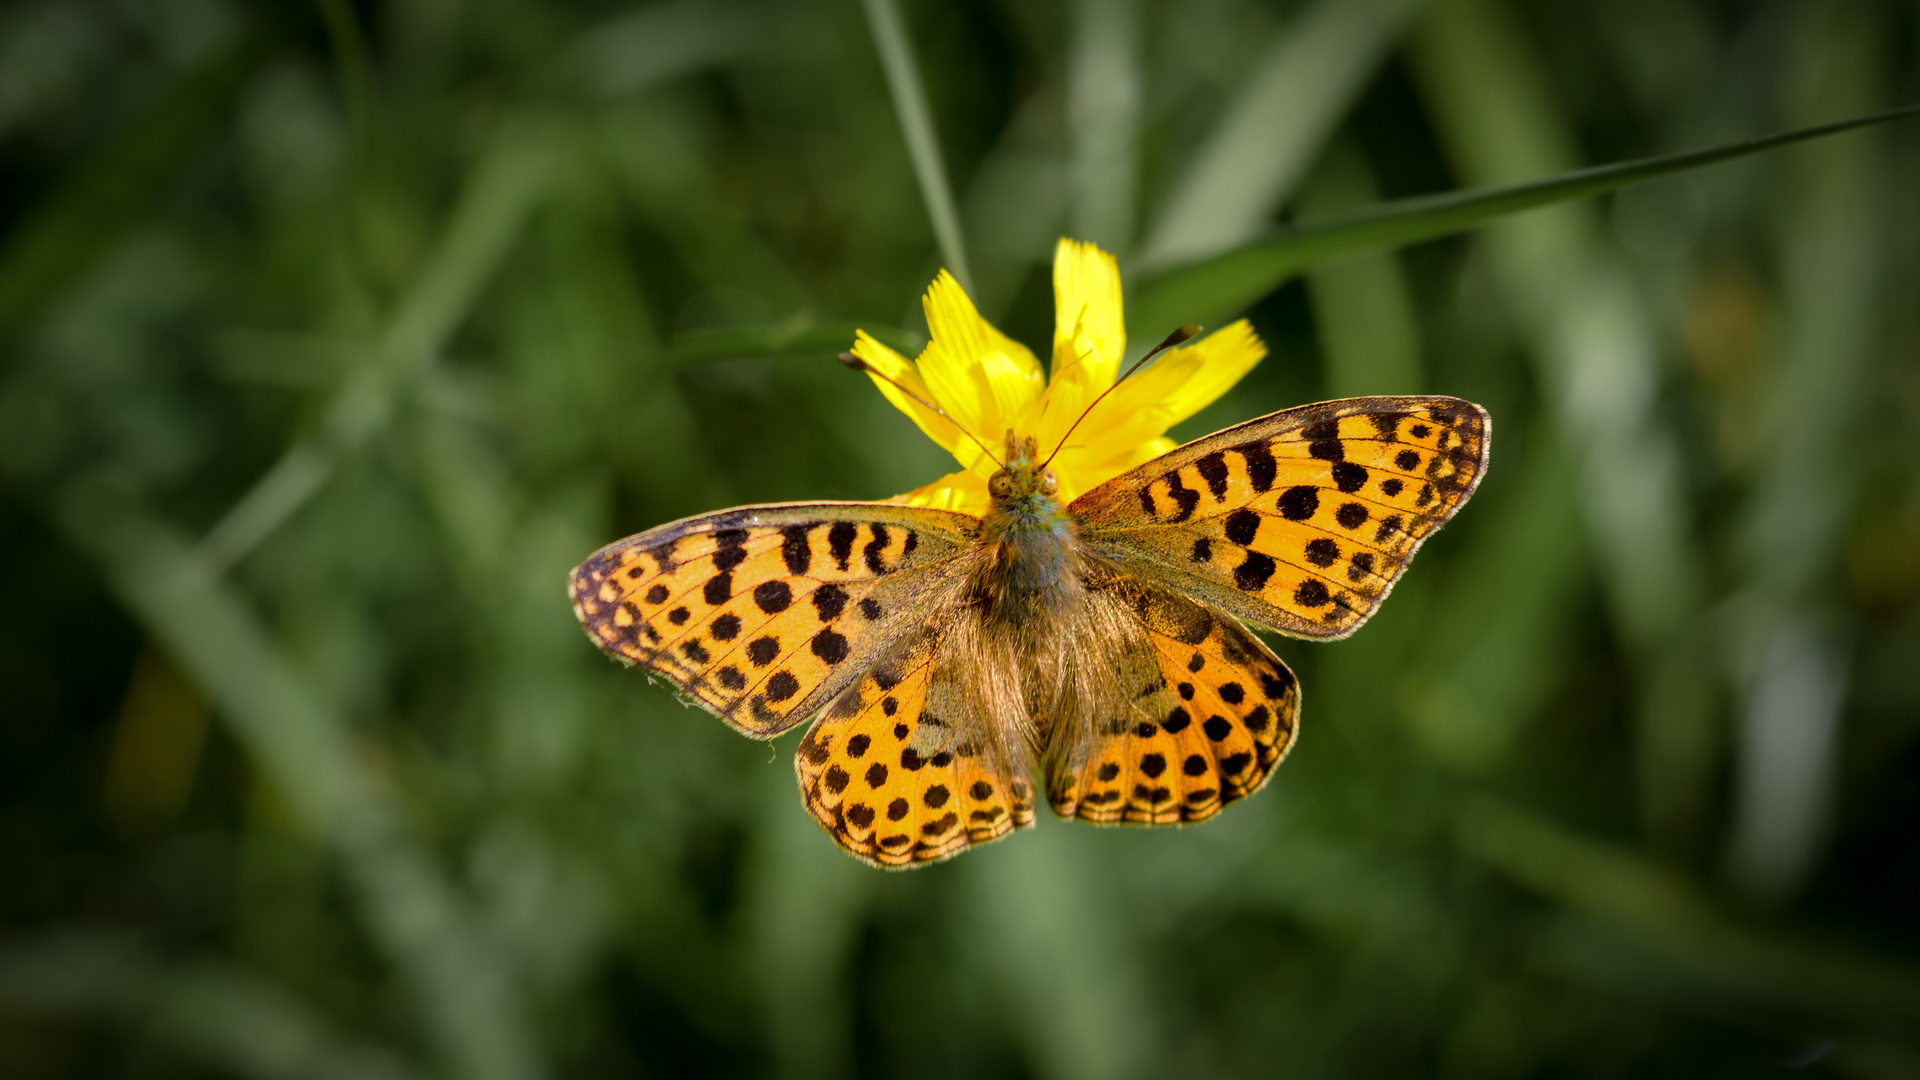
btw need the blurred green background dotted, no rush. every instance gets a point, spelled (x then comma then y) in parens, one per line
(333, 334)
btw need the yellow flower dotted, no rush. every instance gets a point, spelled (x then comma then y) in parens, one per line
(993, 385)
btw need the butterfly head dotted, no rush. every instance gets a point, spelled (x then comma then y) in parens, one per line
(1024, 479)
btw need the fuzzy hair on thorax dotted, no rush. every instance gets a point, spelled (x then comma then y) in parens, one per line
(1037, 651)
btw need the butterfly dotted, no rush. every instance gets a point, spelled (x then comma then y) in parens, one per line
(1096, 640)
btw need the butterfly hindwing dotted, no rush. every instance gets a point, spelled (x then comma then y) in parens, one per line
(896, 784)
(763, 614)
(1301, 520)
(1212, 711)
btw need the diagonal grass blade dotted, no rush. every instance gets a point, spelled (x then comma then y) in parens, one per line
(1206, 291)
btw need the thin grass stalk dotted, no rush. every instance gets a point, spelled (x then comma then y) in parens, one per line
(1830, 241)
(1274, 129)
(916, 125)
(1103, 109)
(1210, 289)
(483, 228)
(1597, 355)
(464, 997)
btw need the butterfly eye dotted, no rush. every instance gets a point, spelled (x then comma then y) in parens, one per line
(1049, 483)
(1000, 485)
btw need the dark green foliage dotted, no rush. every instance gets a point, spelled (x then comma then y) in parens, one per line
(333, 335)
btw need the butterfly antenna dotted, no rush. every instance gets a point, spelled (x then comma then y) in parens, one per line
(860, 365)
(1180, 336)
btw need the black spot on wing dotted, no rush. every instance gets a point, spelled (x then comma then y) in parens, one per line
(662, 555)
(1241, 526)
(1322, 552)
(795, 548)
(875, 547)
(1252, 574)
(1299, 503)
(773, 597)
(782, 686)
(829, 601)
(830, 646)
(1186, 497)
(1261, 467)
(762, 650)
(840, 542)
(731, 549)
(1323, 440)
(1213, 469)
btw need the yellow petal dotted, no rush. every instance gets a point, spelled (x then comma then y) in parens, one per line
(964, 491)
(1089, 334)
(1176, 385)
(1080, 469)
(895, 367)
(979, 375)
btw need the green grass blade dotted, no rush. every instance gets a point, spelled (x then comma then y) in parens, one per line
(794, 337)
(1363, 309)
(1831, 241)
(483, 228)
(464, 994)
(1207, 291)
(916, 124)
(1685, 929)
(1250, 162)
(1103, 107)
(643, 48)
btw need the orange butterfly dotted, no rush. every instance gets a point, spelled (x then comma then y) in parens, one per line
(1079, 615)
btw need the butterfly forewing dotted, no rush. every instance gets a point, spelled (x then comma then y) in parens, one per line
(898, 776)
(763, 614)
(1300, 521)
(1212, 711)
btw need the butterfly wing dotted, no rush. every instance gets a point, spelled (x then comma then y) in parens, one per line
(1211, 711)
(1300, 521)
(763, 614)
(899, 773)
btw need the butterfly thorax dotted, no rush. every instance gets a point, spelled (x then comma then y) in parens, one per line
(1033, 563)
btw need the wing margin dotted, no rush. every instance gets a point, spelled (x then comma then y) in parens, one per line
(764, 614)
(1300, 521)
